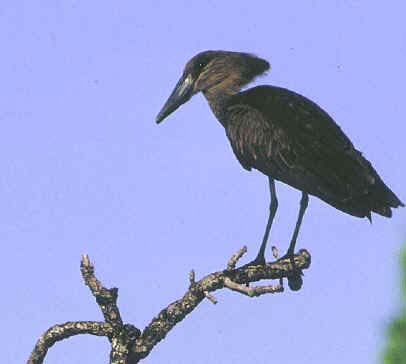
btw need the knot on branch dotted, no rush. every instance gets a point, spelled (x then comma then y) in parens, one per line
(131, 332)
(295, 280)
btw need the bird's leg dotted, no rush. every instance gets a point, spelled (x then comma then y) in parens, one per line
(303, 205)
(260, 259)
(295, 280)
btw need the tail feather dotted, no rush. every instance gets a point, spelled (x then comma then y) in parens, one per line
(383, 210)
(384, 199)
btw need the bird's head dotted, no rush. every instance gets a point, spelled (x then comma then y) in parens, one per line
(213, 72)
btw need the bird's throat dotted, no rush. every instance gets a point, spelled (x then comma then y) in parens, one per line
(218, 102)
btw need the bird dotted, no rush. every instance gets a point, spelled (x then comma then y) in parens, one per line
(284, 135)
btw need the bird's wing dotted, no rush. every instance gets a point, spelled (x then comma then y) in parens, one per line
(249, 135)
(288, 136)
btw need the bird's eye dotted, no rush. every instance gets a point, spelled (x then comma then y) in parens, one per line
(201, 65)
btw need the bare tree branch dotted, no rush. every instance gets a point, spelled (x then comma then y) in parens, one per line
(121, 336)
(129, 345)
(63, 331)
(106, 298)
(177, 311)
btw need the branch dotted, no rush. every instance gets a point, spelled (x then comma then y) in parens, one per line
(129, 345)
(160, 325)
(63, 331)
(121, 336)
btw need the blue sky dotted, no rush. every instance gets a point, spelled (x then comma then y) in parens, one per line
(86, 169)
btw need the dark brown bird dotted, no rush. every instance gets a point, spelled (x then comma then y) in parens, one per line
(285, 136)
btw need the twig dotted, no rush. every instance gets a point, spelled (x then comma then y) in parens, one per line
(192, 278)
(105, 298)
(275, 252)
(210, 297)
(236, 257)
(252, 291)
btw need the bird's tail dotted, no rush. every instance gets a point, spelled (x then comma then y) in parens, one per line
(383, 199)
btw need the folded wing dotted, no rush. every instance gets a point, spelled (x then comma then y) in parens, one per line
(290, 138)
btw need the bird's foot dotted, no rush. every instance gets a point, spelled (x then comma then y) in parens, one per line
(289, 255)
(295, 280)
(259, 260)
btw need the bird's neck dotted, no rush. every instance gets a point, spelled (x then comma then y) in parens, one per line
(218, 101)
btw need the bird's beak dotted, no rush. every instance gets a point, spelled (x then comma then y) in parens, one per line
(183, 92)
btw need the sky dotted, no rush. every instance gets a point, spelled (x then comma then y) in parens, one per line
(85, 169)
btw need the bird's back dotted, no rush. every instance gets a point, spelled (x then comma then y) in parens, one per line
(290, 138)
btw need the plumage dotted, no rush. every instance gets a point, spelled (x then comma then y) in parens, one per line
(284, 135)
(287, 136)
